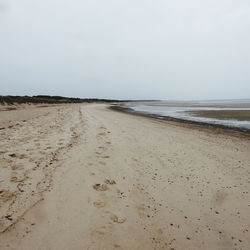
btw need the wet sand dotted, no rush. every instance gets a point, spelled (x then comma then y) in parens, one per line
(86, 177)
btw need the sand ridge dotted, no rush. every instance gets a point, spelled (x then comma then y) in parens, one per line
(29, 157)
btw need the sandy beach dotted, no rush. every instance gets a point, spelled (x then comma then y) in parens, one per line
(82, 176)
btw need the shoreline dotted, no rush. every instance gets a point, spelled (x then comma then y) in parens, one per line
(223, 128)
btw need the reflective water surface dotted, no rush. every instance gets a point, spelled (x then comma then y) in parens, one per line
(183, 110)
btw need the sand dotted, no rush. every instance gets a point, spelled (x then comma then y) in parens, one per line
(86, 177)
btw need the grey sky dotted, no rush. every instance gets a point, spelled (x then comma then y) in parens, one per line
(126, 49)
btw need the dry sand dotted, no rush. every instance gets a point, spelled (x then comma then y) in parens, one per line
(85, 177)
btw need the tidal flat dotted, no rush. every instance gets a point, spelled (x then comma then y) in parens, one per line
(233, 114)
(237, 115)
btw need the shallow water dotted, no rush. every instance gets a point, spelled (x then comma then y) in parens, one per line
(181, 112)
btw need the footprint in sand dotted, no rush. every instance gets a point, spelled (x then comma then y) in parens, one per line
(15, 177)
(110, 182)
(6, 195)
(12, 155)
(116, 219)
(100, 187)
(101, 134)
(106, 156)
(99, 204)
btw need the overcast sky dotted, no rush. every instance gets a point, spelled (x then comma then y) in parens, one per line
(126, 49)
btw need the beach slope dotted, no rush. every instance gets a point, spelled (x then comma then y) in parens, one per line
(81, 176)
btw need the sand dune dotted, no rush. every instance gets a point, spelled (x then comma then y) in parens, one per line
(85, 177)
